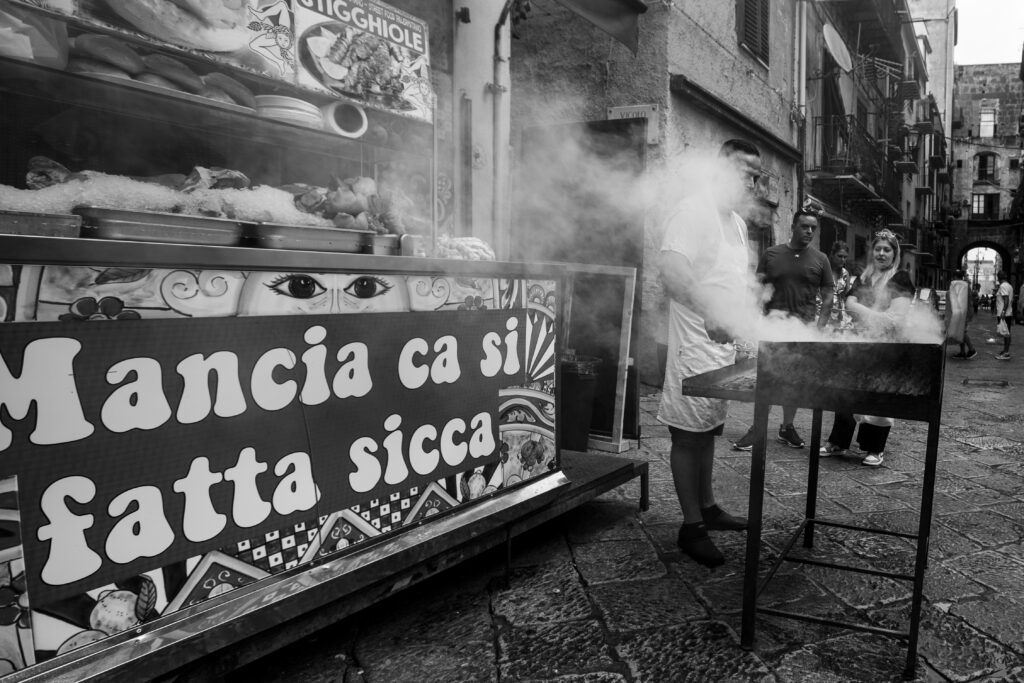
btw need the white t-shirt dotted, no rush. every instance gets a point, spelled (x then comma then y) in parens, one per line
(695, 230)
(1004, 290)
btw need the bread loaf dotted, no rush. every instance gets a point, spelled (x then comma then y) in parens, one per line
(109, 50)
(213, 25)
(156, 79)
(85, 65)
(214, 93)
(238, 92)
(173, 70)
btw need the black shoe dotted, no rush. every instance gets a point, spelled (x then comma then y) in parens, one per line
(693, 540)
(959, 355)
(746, 442)
(788, 436)
(970, 355)
(718, 519)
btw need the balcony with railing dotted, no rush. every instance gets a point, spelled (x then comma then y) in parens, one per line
(847, 165)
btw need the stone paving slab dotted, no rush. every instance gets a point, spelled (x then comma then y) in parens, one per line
(549, 650)
(696, 652)
(618, 561)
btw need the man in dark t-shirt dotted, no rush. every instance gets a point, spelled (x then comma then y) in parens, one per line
(797, 273)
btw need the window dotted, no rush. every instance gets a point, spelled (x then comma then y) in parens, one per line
(752, 26)
(959, 163)
(987, 128)
(986, 166)
(1014, 164)
(985, 205)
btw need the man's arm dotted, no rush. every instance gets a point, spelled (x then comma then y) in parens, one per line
(681, 282)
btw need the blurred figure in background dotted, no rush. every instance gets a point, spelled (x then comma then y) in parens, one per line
(838, 318)
(703, 266)
(959, 312)
(1003, 308)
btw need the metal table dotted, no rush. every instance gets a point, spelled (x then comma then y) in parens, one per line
(903, 381)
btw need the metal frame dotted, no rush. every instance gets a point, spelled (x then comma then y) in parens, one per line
(772, 390)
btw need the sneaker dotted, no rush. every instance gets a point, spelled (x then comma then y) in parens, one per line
(873, 459)
(718, 519)
(746, 442)
(828, 450)
(959, 355)
(971, 354)
(693, 540)
(788, 436)
(1003, 356)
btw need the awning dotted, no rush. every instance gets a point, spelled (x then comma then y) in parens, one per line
(617, 18)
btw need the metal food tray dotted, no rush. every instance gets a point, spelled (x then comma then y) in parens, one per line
(306, 238)
(41, 224)
(154, 226)
(386, 245)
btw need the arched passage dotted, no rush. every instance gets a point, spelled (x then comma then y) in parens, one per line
(983, 271)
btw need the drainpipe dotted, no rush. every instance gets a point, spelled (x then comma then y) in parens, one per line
(501, 132)
(801, 98)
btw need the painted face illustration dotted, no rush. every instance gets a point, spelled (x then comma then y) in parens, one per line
(276, 293)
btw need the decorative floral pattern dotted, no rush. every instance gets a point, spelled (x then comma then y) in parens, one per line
(107, 308)
(473, 303)
(13, 606)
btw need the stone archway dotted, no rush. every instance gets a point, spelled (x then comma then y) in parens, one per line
(1005, 258)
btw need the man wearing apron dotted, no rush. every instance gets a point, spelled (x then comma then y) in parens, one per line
(704, 265)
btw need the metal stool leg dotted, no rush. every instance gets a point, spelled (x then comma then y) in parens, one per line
(812, 479)
(923, 536)
(757, 466)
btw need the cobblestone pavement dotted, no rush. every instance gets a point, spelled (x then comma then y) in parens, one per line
(603, 594)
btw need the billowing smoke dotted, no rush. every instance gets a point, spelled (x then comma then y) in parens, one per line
(584, 194)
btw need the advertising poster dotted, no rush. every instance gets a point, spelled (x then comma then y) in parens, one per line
(366, 51)
(168, 436)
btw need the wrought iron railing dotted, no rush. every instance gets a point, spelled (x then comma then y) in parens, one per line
(841, 145)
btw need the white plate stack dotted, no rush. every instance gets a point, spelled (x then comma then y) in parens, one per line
(290, 110)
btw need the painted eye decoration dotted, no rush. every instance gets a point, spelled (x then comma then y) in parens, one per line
(368, 287)
(297, 286)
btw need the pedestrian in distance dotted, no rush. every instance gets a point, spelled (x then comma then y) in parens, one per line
(704, 250)
(799, 275)
(1020, 305)
(960, 312)
(1004, 314)
(838, 318)
(879, 304)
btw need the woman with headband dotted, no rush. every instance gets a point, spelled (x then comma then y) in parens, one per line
(879, 302)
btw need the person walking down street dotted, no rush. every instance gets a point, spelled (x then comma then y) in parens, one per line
(879, 304)
(1004, 314)
(959, 312)
(703, 264)
(799, 275)
(976, 297)
(1020, 305)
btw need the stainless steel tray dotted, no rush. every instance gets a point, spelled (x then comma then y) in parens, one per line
(305, 238)
(154, 226)
(387, 245)
(41, 224)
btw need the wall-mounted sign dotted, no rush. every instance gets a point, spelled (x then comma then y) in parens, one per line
(640, 111)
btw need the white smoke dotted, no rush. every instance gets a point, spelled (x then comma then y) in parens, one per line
(573, 183)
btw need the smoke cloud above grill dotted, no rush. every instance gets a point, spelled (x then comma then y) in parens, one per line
(585, 197)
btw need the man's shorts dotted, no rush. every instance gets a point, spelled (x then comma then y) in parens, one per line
(682, 437)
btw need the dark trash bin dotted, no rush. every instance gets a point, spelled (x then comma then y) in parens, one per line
(576, 404)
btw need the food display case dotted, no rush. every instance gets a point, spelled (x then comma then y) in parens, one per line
(197, 441)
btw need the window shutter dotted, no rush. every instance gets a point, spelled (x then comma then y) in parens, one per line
(754, 17)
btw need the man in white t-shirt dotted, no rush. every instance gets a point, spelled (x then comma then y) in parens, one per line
(704, 264)
(1004, 312)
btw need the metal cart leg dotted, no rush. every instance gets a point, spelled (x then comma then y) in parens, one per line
(923, 536)
(812, 479)
(757, 467)
(645, 486)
